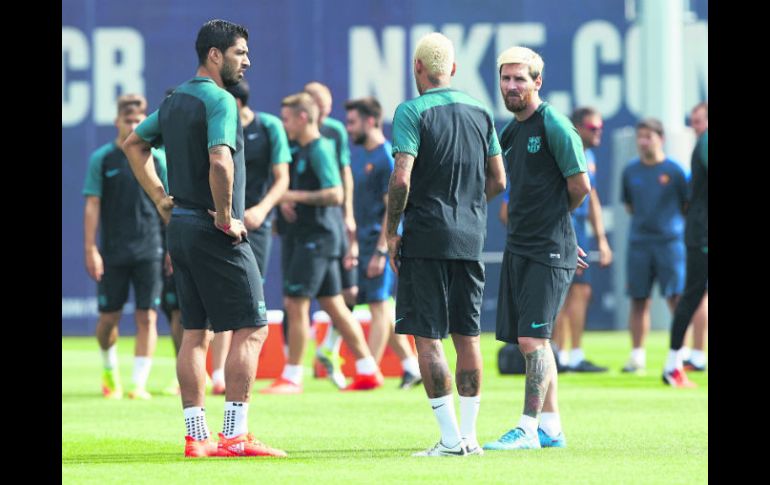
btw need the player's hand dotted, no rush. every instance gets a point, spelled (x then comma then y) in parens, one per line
(164, 208)
(254, 217)
(168, 268)
(605, 253)
(580, 262)
(376, 265)
(94, 264)
(394, 248)
(288, 209)
(235, 230)
(350, 260)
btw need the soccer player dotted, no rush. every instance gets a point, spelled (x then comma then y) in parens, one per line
(312, 267)
(572, 318)
(655, 194)
(216, 273)
(548, 179)
(696, 240)
(447, 166)
(266, 151)
(334, 130)
(371, 172)
(131, 250)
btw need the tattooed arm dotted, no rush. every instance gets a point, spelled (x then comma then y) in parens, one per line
(398, 193)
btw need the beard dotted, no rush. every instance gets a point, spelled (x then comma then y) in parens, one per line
(359, 138)
(230, 76)
(517, 104)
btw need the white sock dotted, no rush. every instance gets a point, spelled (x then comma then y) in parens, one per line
(236, 419)
(674, 361)
(639, 356)
(332, 340)
(218, 376)
(411, 366)
(528, 424)
(444, 410)
(576, 356)
(698, 357)
(469, 411)
(551, 423)
(366, 366)
(195, 421)
(110, 358)
(142, 366)
(564, 357)
(685, 353)
(292, 373)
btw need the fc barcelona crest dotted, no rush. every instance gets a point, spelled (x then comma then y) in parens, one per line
(301, 163)
(534, 144)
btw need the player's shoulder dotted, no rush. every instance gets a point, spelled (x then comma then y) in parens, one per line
(103, 152)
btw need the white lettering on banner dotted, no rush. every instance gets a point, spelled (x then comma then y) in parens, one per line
(117, 68)
(597, 41)
(74, 95)
(119, 57)
(377, 72)
(382, 70)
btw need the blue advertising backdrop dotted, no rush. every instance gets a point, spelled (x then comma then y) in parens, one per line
(357, 48)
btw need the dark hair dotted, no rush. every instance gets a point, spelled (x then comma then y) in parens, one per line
(366, 107)
(240, 91)
(651, 124)
(581, 113)
(220, 34)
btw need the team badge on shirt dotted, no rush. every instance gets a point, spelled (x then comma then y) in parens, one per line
(664, 179)
(301, 164)
(534, 144)
(368, 168)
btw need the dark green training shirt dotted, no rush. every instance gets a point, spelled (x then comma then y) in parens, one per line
(129, 224)
(265, 145)
(314, 167)
(696, 232)
(540, 153)
(195, 117)
(450, 135)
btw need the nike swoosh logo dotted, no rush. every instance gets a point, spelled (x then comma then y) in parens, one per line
(252, 136)
(538, 325)
(458, 453)
(294, 287)
(112, 173)
(505, 153)
(399, 319)
(436, 407)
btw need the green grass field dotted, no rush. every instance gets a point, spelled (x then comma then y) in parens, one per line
(620, 429)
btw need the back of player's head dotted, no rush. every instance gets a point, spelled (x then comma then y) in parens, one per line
(319, 92)
(653, 124)
(302, 103)
(582, 113)
(128, 103)
(240, 91)
(522, 55)
(436, 52)
(220, 34)
(366, 107)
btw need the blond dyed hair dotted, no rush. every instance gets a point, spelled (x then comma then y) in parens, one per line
(436, 53)
(522, 55)
(302, 103)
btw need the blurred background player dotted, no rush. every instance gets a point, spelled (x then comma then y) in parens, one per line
(655, 194)
(371, 172)
(334, 130)
(443, 197)
(696, 240)
(131, 250)
(312, 267)
(695, 359)
(266, 150)
(572, 317)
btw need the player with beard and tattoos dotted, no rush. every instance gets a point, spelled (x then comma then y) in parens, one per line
(548, 179)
